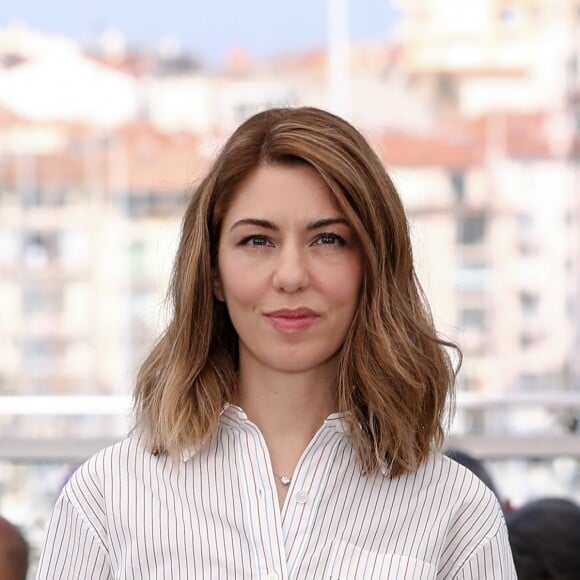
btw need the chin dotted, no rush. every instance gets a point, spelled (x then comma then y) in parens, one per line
(301, 364)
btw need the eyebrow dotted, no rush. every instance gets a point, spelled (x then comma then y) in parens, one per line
(268, 225)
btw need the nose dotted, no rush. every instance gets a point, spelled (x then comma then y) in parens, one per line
(291, 271)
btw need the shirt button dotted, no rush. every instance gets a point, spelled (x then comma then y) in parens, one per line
(272, 576)
(261, 492)
(301, 497)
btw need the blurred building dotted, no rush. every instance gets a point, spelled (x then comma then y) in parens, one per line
(100, 148)
(88, 223)
(474, 110)
(515, 67)
(486, 55)
(46, 78)
(493, 205)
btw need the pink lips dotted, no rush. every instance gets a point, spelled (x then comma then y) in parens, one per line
(292, 320)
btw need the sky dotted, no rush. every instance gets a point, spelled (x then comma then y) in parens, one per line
(205, 28)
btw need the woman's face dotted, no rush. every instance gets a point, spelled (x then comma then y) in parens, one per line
(289, 270)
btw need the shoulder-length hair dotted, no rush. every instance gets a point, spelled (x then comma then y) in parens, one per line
(394, 372)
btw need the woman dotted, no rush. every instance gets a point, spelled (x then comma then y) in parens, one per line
(286, 420)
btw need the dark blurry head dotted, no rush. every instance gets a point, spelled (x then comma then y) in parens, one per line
(13, 552)
(545, 539)
(474, 465)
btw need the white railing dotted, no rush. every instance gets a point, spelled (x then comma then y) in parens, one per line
(46, 405)
(121, 404)
(79, 448)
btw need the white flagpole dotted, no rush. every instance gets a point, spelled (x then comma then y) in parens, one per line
(338, 58)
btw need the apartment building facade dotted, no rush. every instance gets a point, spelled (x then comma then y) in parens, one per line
(90, 211)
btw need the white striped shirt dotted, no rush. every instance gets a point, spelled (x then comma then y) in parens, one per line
(214, 514)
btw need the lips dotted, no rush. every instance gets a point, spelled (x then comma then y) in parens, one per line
(301, 312)
(293, 320)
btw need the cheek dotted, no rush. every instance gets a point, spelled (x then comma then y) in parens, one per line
(344, 285)
(239, 286)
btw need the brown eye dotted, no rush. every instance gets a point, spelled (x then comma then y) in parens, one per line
(254, 241)
(330, 239)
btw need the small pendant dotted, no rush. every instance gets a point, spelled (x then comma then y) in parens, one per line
(285, 479)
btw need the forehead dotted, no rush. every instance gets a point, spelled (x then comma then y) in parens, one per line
(281, 191)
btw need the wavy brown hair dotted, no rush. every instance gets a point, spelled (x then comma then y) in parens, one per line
(394, 372)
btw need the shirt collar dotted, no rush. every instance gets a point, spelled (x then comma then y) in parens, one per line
(188, 452)
(336, 421)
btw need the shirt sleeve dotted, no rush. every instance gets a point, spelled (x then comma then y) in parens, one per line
(493, 559)
(72, 548)
(476, 543)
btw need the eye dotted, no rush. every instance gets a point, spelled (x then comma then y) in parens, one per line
(254, 241)
(330, 239)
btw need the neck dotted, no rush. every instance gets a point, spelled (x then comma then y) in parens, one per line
(288, 404)
(287, 408)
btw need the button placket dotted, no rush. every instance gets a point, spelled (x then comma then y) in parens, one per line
(309, 479)
(266, 516)
(302, 497)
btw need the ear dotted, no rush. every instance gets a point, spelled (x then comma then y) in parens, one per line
(217, 287)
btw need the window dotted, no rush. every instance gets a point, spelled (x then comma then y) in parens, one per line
(31, 197)
(473, 277)
(74, 248)
(138, 257)
(538, 381)
(9, 246)
(139, 204)
(457, 179)
(41, 299)
(473, 318)
(525, 224)
(471, 230)
(39, 249)
(43, 353)
(508, 15)
(526, 341)
(571, 307)
(529, 303)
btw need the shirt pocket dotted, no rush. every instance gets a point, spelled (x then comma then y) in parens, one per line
(349, 562)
